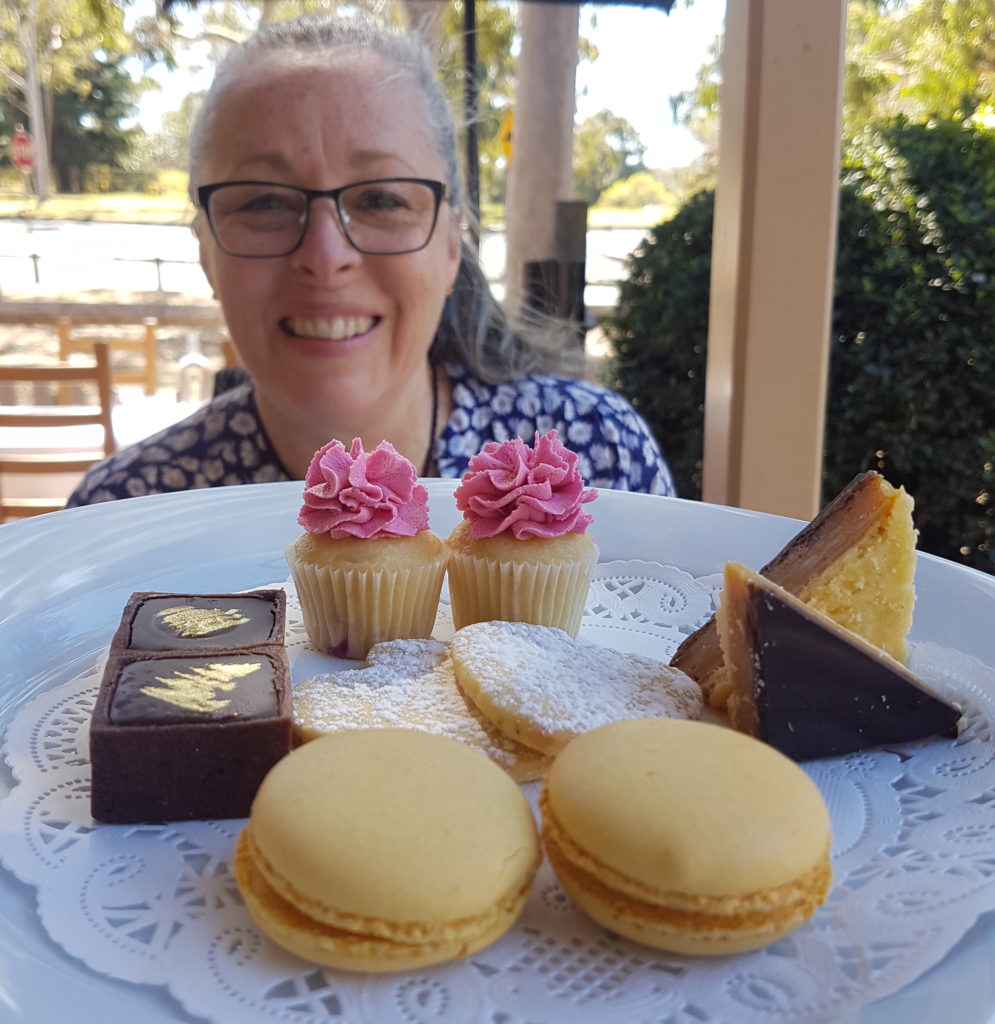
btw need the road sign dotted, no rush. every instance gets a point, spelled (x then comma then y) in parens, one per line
(505, 134)
(22, 150)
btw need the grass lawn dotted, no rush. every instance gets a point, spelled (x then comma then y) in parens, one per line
(124, 207)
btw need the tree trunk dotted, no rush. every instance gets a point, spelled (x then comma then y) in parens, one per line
(36, 118)
(542, 136)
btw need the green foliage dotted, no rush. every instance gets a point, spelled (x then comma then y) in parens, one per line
(637, 191)
(86, 127)
(659, 332)
(914, 329)
(918, 58)
(69, 37)
(606, 149)
(912, 340)
(497, 62)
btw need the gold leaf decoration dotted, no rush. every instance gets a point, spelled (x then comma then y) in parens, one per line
(198, 688)
(187, 621)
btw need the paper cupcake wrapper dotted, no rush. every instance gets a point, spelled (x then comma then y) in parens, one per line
(346, 612)
(481, 590)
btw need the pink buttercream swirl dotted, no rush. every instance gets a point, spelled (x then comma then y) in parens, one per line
(363, 494)
(534, 492)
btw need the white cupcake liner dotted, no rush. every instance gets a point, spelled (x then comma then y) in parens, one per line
(482, 589)
(347, 611)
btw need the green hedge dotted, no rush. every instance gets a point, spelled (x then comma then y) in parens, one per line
(912, 363)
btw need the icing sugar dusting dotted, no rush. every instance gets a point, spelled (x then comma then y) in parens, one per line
(542, 684)
(408, 684)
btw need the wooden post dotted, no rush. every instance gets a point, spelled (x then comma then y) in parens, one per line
(773, 255)
(64, 326)
(540, 174)
(149, 324)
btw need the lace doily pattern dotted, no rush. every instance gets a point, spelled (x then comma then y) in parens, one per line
(913, 859)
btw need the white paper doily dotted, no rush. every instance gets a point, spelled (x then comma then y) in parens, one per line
(913, 858)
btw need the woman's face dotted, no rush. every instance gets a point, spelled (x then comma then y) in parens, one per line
(327, 328)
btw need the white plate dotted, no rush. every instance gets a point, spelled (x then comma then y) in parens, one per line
(65, 578)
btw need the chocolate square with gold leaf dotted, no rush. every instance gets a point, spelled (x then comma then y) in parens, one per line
(155, 621)
(177, 736)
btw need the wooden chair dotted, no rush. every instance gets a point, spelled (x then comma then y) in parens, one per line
(65, 458)
(146, 346)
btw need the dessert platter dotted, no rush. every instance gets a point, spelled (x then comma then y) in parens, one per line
(906, 933)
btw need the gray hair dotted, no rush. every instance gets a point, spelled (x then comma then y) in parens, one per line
(474, 332)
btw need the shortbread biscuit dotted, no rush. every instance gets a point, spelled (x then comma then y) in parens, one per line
(408, 684)
(542, 687)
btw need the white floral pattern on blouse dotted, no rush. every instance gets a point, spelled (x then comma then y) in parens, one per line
(225, 443)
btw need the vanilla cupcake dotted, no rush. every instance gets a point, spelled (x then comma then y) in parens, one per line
(522, 553)
(367, 568)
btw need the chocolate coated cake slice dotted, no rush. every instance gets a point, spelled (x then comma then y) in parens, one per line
(810, 688)
(154, 621)
(855, 562)
(177, 736)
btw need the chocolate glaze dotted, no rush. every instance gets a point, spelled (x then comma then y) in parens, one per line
(853, 511)
(194, 689)
(819, 692)
(155, 621)
(175, 763)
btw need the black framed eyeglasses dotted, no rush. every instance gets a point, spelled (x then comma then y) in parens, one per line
(261, 219)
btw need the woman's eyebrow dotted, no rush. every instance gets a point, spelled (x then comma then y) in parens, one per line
(272, 161)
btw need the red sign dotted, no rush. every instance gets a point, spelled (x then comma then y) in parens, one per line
(22, 150)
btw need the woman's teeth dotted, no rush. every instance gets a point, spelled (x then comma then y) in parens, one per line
(336, 329)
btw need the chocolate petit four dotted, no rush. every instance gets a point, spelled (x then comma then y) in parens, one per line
(194, 707)
(855, 562)
(154, 621)
(810, 688)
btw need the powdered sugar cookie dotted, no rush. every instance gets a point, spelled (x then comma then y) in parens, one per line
(408, 684)
(543, 687)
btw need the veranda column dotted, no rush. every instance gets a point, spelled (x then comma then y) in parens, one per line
(542, 137)
(773, 254)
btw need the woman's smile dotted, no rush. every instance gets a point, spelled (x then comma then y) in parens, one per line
(336, 328)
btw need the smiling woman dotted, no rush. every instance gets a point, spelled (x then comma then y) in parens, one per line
(323, 165)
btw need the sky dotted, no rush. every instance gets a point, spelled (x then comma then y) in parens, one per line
(644, 58)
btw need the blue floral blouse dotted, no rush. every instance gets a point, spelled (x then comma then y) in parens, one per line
(225, 442)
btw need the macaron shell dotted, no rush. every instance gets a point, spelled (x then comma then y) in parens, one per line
(687, 837)
(392, 825)
(348, 950)
(677, 922)
(689, 807)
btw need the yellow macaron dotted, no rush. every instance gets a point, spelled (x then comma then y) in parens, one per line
(685, 836)
(386, 849)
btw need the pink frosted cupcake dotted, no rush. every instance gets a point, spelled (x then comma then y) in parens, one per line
(522, 552)
(367, 568)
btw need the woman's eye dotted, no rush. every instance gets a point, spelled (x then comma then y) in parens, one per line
(268, 202)
(381, 200)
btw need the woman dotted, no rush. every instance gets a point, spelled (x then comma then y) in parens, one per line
(323, 166)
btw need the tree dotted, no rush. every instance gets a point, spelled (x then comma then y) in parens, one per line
(607, 149)
(918, 58)
(47, 48)
(496, 43)
(913, 330)
(86, 129)
(915, 58)
(638, 191)
(176, 127)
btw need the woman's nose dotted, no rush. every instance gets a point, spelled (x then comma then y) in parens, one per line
(325, 248)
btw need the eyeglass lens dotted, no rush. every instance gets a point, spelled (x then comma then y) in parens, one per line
(270, 220)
